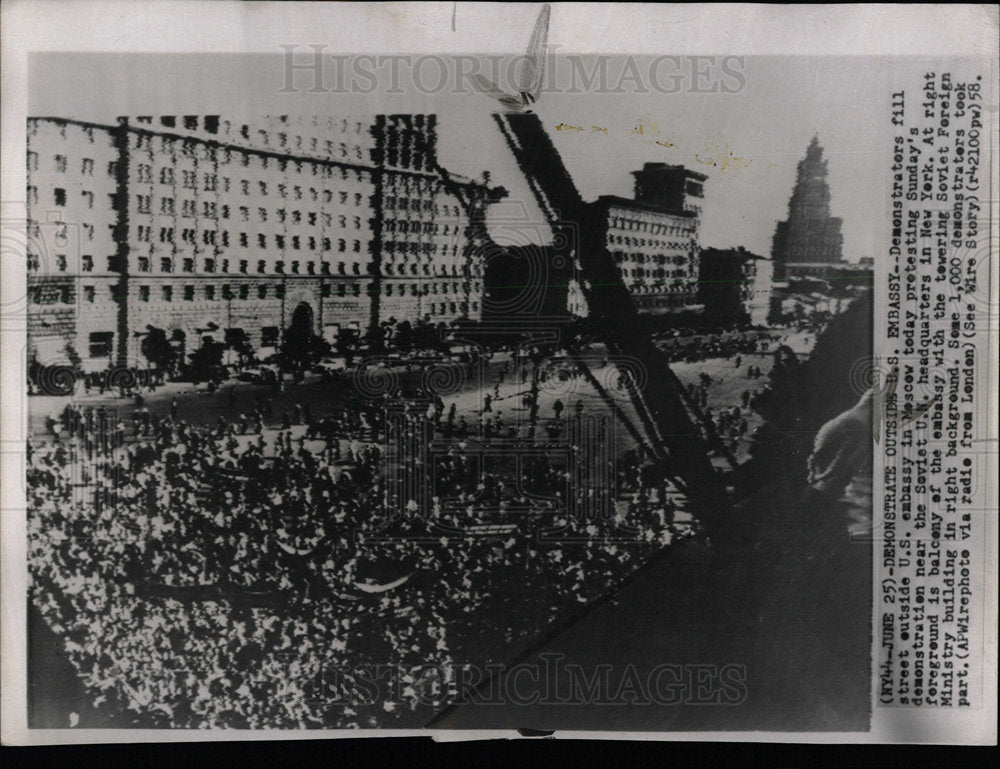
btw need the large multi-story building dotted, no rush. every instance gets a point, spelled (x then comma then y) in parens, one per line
(726, 283)
(653, 238)
(730, 285)
(810, 236)
(198, 226)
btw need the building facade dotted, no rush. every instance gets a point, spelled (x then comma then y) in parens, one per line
(760, 303)
(198, 226)
(653, 238)
(809, 235)
(728, 285)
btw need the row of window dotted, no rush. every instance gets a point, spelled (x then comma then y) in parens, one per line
(416, 161)
(389, 268)
(190, 293)
(340, 148)
(144, 234)
(399, 153)
(653, 228)
(87, 131)
(61, 164)
(211, 210)
(406, 226)
(628, 240)
(418, 289)
(211, 265)
(639, 258)
(642, 272)
(63, 294)
(415, 248)
(345, 126)
(208, 292)
(660, 287)
(145, 174)
(282, 243)
(449, 308)
(33, 230)
(51, 294)
(421, 204)
(665, 301)
(193, 148)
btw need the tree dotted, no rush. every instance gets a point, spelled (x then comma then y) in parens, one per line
(157, 348)
(74, 357)
(239, 341)
(404, 337)
(300, 347)
(376, 339)
(320, 347)
(294, 348)
(346, 343)
(206, 360)
(425, 337)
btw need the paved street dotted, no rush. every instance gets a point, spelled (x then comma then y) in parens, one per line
(196, 405)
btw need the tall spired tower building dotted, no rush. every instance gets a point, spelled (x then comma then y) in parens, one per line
(810, 238)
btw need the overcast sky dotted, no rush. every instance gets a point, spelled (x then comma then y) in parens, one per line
(747, 142)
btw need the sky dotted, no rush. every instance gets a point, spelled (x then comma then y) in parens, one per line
(748, 142)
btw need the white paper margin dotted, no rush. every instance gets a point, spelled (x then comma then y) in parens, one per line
(129, 26)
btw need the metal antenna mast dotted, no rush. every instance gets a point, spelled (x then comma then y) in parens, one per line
(660, 398)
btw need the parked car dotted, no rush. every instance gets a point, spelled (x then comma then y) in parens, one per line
(330, 365)
(259, 374)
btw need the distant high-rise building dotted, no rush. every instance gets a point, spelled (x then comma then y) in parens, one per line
(653, 238)
(809, 236)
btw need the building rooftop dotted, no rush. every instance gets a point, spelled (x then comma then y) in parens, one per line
(739, 250)
(617, 200)
(648, 167)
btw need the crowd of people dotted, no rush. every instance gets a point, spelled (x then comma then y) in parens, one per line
(726, 345)
(66, 380)
(248, 572)
(212, 576)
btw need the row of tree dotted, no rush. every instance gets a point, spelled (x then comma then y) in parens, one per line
(299, 349)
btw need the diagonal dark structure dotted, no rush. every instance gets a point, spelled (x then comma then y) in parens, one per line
(658, 396)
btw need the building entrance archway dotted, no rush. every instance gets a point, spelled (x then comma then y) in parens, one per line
(302, 324)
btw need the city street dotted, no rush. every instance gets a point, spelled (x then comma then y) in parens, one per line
(197, 406)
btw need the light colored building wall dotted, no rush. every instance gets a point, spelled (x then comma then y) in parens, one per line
(657, 254)
(760, 300)
(233, 226)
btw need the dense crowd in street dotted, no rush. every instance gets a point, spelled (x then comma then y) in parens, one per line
(214, 575)
(202, 577)
(717, 346)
